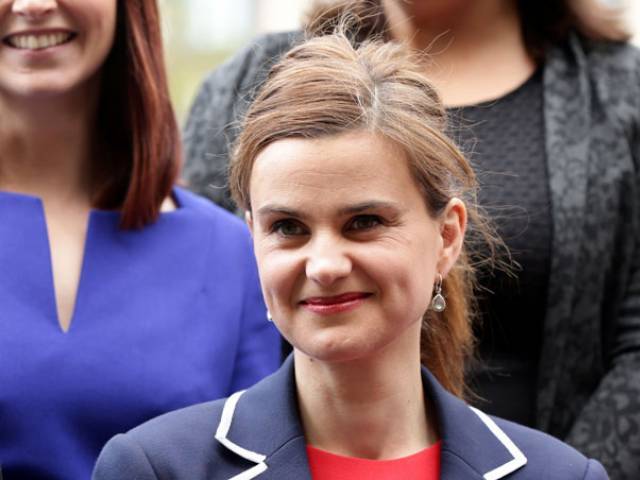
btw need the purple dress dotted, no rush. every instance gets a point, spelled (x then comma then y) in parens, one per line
(165, 316)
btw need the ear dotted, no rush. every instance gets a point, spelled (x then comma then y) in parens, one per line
(453, 224)
(249, 219)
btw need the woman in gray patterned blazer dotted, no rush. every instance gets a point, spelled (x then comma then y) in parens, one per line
(548, 111)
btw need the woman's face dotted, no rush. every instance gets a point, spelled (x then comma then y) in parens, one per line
(52, 47)
(346, 249)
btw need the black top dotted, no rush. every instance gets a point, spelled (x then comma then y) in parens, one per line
(504, 140)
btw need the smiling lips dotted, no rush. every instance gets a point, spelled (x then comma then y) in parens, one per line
(334, 304)
(38, 41)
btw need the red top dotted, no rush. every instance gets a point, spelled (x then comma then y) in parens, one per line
(424, 465)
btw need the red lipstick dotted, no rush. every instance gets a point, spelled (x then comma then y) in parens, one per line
(335, 304)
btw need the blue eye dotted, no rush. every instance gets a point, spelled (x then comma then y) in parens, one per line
(365, 222)
(288, 228)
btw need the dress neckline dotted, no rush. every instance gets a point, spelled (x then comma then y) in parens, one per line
(99, 223)
(424, 464)
(532, 79)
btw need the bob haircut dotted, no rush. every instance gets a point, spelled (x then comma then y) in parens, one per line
(544, 22)
(139, 136)
(325, 87)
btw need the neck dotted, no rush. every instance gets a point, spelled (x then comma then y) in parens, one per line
(381, 399)
(476, 46)
(46, 146)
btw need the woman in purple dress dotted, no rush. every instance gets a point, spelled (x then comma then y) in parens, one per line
(121, 295)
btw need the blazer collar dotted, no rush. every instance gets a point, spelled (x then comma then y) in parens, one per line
(262, 425)
(473, 445)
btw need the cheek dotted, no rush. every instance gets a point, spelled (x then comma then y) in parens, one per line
(404, 277)
(101, 24)
(423, 272)
(106, 10)
(280, 276)
(107, 34)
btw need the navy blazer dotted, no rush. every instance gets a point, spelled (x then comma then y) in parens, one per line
(258, 434)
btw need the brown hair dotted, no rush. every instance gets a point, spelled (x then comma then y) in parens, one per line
(544, 22)
(326, 87)
(136, 124)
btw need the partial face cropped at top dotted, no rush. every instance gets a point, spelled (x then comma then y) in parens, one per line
(51, 47)
(422, 10)
(346, 249)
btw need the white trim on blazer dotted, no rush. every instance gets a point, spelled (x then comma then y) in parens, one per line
(221, 436)
(518, 460)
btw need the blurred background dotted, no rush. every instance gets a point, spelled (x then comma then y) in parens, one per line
(200, 34)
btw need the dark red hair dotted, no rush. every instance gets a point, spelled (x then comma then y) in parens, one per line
(138, 134)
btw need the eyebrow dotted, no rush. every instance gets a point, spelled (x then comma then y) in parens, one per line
(366, 206)
(348, 210)
(278, 210)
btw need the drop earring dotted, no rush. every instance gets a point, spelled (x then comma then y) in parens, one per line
(438, 303)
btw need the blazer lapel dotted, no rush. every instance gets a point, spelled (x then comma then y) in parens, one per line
(567, 123)
(473, 445)
(262, 425)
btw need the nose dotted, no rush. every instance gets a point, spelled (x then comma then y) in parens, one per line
(33, 9)
(327, 262)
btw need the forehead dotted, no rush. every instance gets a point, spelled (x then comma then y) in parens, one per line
(347, 168)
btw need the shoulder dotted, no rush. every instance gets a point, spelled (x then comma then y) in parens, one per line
(219, 235)
(614, 71)
(221, 102)
(271, 44)
(200, 211)
(180, 444)
(599, 78)
(494, 448)
(189, 427)
(616, 58)
(251, 62)
(600, 60)
(548, 457)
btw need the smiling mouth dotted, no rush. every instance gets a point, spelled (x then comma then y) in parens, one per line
(31, 41)
(335, 304)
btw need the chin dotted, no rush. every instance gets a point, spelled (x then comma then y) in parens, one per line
(36, 92)
(36, 87)
(335, 349)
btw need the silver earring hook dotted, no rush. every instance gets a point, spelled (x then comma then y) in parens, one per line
(438, 303)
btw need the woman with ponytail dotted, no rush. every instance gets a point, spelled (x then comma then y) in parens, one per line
(358, 205)
(543, 97)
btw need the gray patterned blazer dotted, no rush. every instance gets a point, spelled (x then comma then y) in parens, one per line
(589, 374)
